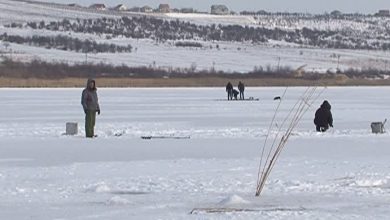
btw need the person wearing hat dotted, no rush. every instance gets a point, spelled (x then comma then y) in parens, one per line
(323, 117)
(90, 103)
(241, 88)
(229, 90)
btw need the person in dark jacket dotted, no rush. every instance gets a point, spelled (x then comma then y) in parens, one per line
(241, 88)
(90, 103)
(229, 90)
(235, 94)
(323, 117)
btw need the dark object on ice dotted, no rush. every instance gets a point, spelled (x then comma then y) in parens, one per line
(235, 94)
(119, 134)
(235, 210)
(71, 128)
(129, 192)
(277, 98)
(323, 117)
(229, 90)
(241, 88)
(90, 103)
(165, 137)
(378, 127)
(250, 99)
(221, 210)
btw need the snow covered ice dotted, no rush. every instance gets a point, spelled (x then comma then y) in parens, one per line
(341, 174)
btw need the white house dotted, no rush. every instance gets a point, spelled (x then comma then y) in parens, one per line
(120, 7)
(147, 9)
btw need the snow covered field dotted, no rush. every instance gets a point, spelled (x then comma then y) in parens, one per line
(342, 174)
(240, 57)
(231, 56)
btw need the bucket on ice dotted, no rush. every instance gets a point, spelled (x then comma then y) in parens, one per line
(71, 128)
(378, 127)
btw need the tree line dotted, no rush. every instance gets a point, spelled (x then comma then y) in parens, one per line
(163, 30)
(66, 43)
(48, 70)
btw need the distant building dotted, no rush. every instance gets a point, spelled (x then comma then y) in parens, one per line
(187, 10)
(135, 9)
(383, 13)
(74, 5)
(120, 7)
(98, 7)
(262, 12)
(146, 9)
(175, 10)
(164, 8)
(219, 10)
(247, 13)
(336, 13)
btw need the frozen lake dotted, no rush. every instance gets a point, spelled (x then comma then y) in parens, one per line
(342, 174)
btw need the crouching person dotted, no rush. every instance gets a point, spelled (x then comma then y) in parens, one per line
(90, 103)
(235, 94)
(323, 117)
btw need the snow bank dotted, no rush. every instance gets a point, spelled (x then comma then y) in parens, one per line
(117, 200)
(98, 188)
(233, 200)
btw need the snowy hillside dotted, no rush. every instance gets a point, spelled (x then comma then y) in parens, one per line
(318, 43)
(342, 174)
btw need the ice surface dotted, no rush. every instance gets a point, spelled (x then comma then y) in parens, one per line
(341, 174)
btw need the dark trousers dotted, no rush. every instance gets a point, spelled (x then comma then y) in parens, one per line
(242, 95)
(321, 128)
(90, 119)
(230, 95)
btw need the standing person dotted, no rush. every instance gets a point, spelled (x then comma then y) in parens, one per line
(90, 103)
(323, 117)
(241, 88)
(229, 90)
